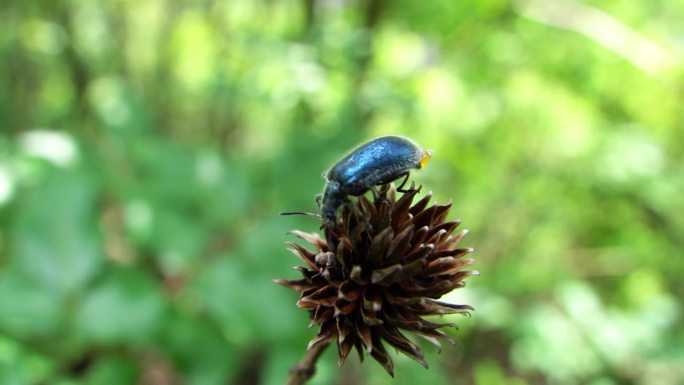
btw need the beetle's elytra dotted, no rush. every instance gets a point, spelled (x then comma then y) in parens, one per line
(379, 161)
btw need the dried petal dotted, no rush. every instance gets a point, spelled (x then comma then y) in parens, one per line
(305, 255)
(447, 265)
(312, 238)
(453, 240)
(379, 246)
(380, 354)
(345, 340)
(295, 284)
(420, 235)
(441, 212)
(424, 218)
(399, 246)
(383, 277)
(437, 307)
(326, 333)
(344, 307)
(363, 331)
(421, 253)
(394, 337)
(321, 315)
(349, 291)
(456, 253)
(400, 210)
(421, 204)
(448, 226)
(324, 296)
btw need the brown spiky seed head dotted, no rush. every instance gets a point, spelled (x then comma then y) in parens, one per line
(379, 270)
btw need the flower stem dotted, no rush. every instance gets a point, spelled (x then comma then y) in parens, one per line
(306, 367)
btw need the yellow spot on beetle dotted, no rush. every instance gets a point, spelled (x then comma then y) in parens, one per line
(426, 158)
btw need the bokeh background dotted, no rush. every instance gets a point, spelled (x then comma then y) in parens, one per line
(146, 148)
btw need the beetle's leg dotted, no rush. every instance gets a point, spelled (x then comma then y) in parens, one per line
(401, 186)
(319, 199)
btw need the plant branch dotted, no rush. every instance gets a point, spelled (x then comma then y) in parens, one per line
(306, 367)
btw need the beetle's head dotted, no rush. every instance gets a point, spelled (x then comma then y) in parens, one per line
(332, 199)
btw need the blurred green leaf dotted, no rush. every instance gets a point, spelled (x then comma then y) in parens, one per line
(203, 354)
(126, 307)
(29, 307)
(112, 371)
(56, 238)
(20, 366)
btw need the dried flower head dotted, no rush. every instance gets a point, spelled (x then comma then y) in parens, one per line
(380, 269)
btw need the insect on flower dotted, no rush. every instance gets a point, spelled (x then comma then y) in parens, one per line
(378, 272)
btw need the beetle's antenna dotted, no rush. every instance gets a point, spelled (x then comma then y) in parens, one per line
(300, 213)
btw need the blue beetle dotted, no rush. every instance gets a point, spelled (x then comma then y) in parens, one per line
(377, 162)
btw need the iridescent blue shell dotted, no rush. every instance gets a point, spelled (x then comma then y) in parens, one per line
(379, 161)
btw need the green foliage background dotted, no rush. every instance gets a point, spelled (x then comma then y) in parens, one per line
(146, 148)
